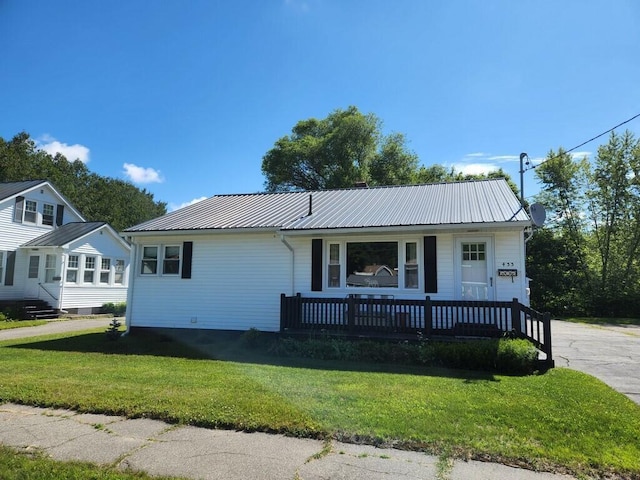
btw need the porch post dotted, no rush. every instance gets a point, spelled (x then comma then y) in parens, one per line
(515, 317)
(546, 321)
(428, 317)
(351, 312)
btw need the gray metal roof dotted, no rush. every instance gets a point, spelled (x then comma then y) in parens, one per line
(9, 189)
(64, 234)
(475, 202)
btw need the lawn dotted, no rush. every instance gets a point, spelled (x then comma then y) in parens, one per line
(558, 420)
(7, 324)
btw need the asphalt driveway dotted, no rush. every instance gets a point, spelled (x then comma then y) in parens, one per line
(608, 352)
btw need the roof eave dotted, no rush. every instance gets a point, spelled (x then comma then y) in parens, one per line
(198, 231)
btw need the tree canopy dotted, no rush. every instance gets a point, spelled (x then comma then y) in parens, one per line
(593, 232)
(338, 151)
(98, 198)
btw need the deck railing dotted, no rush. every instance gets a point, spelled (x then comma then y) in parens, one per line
(382, 316)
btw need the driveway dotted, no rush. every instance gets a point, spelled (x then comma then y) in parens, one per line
(60, 326)
(608, 352)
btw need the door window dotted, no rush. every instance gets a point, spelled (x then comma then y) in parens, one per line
(34, 266)
(474, 271)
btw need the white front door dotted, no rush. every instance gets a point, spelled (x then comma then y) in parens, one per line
(474, 265)
(32, 285)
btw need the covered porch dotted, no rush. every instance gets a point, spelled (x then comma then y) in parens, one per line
(389, 317)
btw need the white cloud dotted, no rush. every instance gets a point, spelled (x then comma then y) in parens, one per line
(504, 158)
(71, 152)
(580, 155)
(477, 154)
(475, 168)
(141, 174)
(173, 206)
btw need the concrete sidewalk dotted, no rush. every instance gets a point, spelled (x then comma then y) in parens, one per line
(197, 453)
(57, 326)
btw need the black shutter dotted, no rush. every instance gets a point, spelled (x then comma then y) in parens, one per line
(430, 265)
(187, 254)
(17, 214)
(59, 215)
(316, 265)
(11, 265)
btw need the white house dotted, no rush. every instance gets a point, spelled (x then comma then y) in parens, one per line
(48, 252)
(223, 263)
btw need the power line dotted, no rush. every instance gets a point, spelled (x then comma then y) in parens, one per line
(584, 143)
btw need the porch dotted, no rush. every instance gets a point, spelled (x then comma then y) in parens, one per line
(388, 317)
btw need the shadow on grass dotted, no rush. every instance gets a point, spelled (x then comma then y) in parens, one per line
(226, 346)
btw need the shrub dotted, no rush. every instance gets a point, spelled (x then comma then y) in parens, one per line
(504, 355)
(113, 332)
(3, 317)
(251, 338)
(117, 309)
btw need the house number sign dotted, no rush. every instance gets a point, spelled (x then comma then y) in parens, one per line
(507, 272)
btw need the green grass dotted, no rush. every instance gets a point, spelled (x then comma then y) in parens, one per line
(7, 324)
(603, 320)
(561, 419)
(33, 466)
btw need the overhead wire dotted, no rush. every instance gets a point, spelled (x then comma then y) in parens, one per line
(584, 143)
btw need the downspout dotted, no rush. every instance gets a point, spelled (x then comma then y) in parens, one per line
(130, 284)
(63, 276)
(293, 261)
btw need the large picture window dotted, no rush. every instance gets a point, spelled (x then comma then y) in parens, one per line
(372, 264)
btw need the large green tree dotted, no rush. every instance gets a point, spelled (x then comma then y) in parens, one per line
(594, 229)
(98, 198)
(339, 151)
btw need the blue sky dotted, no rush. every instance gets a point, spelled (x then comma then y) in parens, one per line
(183, 98)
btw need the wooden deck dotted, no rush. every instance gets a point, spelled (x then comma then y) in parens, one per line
(358, 315)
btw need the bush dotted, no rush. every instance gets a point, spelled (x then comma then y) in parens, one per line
(3, 317)
(113, 332)
(504, 355)
(116, 309)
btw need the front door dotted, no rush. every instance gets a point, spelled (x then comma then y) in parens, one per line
(475, 267)
(32, 285)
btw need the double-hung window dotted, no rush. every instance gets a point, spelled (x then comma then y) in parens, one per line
(47, 214)
(72, 269)
(89, 269)
(30, 211)
(118, 278)
(49, 268)
(334, 265)
(149, 261)
(171, 260)
(411, 265)
(105, 270)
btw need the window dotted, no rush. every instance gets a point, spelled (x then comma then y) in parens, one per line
(30, 211)
(89, 269)
(473, 251)
(372, 264)
(34, 266)
(149, 260)
(334, 265)
(411, 265)
(72, 269)
(49, 268)
(47, 214)
(171, 261)
(105, 270)
(119, 275)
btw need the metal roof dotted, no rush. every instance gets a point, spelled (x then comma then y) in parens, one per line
(9, 189)
(64, 234)
(458, 203)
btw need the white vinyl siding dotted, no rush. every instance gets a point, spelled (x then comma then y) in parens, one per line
(223, 293)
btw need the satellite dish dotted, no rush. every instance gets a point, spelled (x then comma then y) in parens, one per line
(538, 214)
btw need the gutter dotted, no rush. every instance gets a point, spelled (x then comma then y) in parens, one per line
(293, 260)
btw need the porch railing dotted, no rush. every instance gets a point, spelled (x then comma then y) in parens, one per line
(390, 316)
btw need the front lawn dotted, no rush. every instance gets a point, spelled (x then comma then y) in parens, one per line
(561, 419)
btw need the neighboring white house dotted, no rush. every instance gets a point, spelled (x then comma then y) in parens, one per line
(49, 252)
(224, 262)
